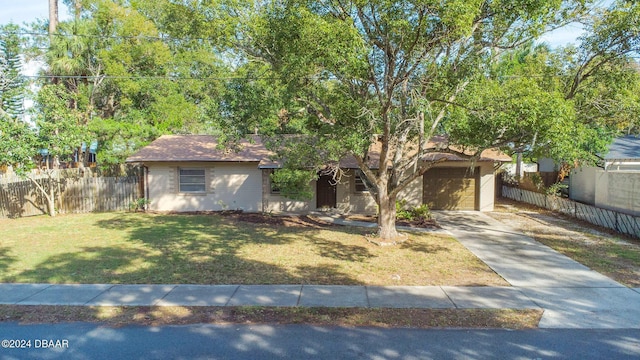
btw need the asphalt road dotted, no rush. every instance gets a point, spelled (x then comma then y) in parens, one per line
(90, 341)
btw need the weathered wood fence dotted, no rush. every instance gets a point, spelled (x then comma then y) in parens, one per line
(610, 219)
(73, 195)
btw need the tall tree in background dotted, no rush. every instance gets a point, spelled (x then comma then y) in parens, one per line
(603, 77)
(15, 135)
(124, 84)
(53, 16)
(12, 83)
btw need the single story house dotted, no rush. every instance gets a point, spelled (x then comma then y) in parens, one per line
(616, 184)
(192, 173)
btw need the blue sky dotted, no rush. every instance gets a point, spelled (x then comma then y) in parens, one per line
(20, 11)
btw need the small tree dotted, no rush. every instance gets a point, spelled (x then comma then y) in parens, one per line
(56, 131)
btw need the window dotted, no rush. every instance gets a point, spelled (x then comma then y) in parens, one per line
(274, 188)
(360, 181)
(192, 180)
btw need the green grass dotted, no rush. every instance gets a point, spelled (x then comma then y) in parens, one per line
(607, 256)
(132, 248)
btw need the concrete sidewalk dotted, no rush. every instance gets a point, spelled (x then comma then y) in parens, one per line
(435, 297)
(571, 295)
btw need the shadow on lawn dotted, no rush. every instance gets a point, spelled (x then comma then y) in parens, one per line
(5, 259)
(197, 249)
(422, 247)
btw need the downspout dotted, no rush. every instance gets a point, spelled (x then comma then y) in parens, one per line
(146, 185)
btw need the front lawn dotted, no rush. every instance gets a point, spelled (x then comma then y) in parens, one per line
(133, 248)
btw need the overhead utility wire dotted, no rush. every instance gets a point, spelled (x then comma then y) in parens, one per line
(145, 37)
(92, 77)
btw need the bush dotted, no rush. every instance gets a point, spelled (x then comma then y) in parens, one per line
(139, 204)
(420, 212)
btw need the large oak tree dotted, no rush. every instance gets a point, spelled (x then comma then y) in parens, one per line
(398, 73)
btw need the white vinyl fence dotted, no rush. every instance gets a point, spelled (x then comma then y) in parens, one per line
(620, 222)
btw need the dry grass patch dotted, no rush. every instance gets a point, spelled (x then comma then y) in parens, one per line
(157, 316)
(138, 248)
(604, 251)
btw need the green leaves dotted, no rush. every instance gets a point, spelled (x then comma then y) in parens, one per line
(523, 107)
(12, 83)
(18, 144)
(294, 183)
(59, 128)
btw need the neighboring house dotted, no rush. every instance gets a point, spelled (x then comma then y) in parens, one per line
(191, 173)
(510, 169)
(615, 185)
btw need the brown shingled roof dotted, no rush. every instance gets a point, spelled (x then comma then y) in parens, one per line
(198, 148)
(204, 148)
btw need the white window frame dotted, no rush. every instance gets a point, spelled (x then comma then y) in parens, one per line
(203, 184)
(358, 178)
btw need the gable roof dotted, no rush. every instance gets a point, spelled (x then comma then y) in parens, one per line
(624, 148)
(204, 148)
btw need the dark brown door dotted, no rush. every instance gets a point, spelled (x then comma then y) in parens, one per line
(325, 192)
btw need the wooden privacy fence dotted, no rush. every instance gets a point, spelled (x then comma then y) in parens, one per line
(72, 195)
(610, 219)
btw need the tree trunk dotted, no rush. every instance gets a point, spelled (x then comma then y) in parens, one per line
(49, 196)
(53, 16)
(51, 199)
(519, 166)
(78, 9)
(387, 217)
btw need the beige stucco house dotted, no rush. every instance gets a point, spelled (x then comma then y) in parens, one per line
(192, 173)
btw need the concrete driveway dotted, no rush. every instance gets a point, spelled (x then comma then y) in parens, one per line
(571, 294)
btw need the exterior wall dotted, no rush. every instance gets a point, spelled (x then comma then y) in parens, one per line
(618, 190)
(277, 203)
(229, 186)
(582, 185)
(546, 165)
(486, 188)
(607, 189)
(243, 186)
(510, 168)
(352, 202)
(348, 201)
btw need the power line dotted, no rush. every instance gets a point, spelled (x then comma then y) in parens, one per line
(131, 37)
(94, 77)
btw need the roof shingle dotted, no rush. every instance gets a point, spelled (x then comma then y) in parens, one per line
(205, 148)
(199, 148)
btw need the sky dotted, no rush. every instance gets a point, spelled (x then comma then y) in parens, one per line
(20, 11)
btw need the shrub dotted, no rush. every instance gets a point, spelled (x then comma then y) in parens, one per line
(420, 212)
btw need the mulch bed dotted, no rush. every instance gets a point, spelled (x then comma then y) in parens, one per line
(304, 220)
(285, 220)
(418, 223)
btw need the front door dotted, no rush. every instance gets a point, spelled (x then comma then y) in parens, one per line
(325, 192)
